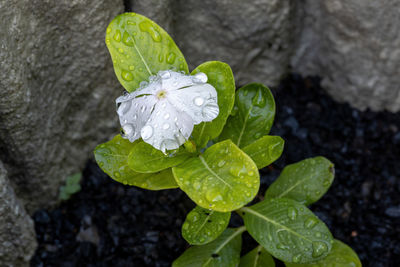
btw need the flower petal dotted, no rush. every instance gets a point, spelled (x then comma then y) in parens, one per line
(133, 113)
(172, 80)
(200, 102)
(167, 128)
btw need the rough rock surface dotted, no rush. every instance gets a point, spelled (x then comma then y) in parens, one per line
(254, 37)
(56, 82)
(17, 234)
(355, 47)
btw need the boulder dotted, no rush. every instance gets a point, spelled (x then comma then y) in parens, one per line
(355, 47)
(17, 234)
(254, 37)
(57, 87)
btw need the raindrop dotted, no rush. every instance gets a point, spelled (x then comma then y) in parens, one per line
(196, 185)
(221, 163)
(198, 101)
(310, 223)
(165, 74)
(166, 126)
(146, 132)
(185, 226)
(128, 129)
(171, 58)
(292, 213)
(117, 174)
(127, 39)
(146, 26)
(200, 77)
(121, 50)
(117, 36)
(296, 258)
(131, 67)
(166, 116)
(126, 75)
(143, 109)
(259, 100)
(319, 248)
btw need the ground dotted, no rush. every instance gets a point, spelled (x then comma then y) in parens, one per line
(109, 224)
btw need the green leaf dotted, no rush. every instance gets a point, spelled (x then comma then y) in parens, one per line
(203, 226)
(221, 77)
(144, 158)
(288, 230)
(222, 252)
(305, 181)
(341, 255)
(252, 115)
(265, 150)
(140, 48)
(258, 257)
(224, 178)
(112, 158)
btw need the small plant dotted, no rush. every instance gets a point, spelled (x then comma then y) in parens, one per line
(72, 186)
(194, 132)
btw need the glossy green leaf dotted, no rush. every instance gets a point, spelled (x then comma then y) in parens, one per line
(221, 77)
(288, 230)
(258, 257)
(144, 158)
(224, 178)
(203, 226)
(265, 150)
(112, 158)
(140, 48)
(252, 115)
(305, 181)
(341, 255)
(222, 252)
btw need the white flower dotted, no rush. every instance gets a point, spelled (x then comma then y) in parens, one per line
(164, 111)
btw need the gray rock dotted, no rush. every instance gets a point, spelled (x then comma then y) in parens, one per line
(17, 234)
(254, 37)
(57, 87)
(355, 46)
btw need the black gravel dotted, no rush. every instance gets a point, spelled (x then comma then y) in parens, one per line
(109, 224)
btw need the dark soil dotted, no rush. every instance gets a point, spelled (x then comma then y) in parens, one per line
(109, 224)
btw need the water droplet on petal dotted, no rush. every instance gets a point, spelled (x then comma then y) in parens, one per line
(198, 101)
(128, 129)
(117, 174)
(166, 126)
(165, 74)
(146, 132)
(200, 77)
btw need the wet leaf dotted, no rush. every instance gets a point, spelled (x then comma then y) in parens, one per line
(222, 252)
(221, 77)
(203, 226)
(140, 48)
(305, 181)
(265, 150)
(112, 158)
(144, 158)
(252, 115)
(258, 257)
(288, 230)
(341, 255)
(224, 178)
